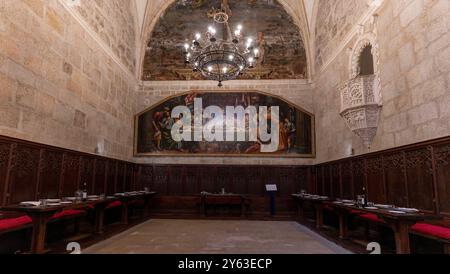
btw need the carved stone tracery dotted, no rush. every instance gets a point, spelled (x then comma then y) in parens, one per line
(361, 95)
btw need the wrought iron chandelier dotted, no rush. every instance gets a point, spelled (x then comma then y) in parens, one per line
(221, 59)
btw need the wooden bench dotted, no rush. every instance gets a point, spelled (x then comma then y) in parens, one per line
(434, 232)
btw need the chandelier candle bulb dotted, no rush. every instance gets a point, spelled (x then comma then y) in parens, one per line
(221, 59)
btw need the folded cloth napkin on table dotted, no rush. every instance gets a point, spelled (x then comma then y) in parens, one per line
(30, 203)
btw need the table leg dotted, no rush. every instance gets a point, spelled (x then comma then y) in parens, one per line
(146, 212)
(401, 230)
(125, 213)
(242, 209)
(99, 218)
(39, 231)
(301, 211)
(343, 224)
(319, 216)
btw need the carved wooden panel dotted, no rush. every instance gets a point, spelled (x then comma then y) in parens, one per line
(326, 181)
(208, 179)
(286, 183)
(120, 186)
(70, 175)
(50, 174)
(191, 185)
(146, 176)
(319, 180)
(176, 178)
(224, 178)
(375, 181)
(442, 158)
(335, 181)
(111, 178)
(255, 180)
(299, 179)
(394, 171)
(129, 173)
(24, 174)
(87, 174)
(160, 179)
(239, 178)
(347, 180)
(4, 160)
(100, 177)
(358, 172)
(419, 175)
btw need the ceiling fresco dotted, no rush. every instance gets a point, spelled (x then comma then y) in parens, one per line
(264, 20)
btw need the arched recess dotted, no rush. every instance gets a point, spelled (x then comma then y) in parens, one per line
(368, 39)
(155, 9)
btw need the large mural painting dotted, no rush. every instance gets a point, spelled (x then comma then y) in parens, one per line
(292, 126)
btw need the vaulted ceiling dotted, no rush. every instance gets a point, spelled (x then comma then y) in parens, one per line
(164, 24)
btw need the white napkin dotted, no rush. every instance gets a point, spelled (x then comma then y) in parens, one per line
(30, 203)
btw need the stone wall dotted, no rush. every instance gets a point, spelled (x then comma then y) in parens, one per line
(335, 19)
(113, 21)
(298, 92)
(57, 85)
(414, 45)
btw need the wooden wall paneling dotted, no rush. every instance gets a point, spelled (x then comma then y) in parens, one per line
(192, 182)
(70, 175)
(50, 174)
(358, 178)
(175, 181)
(129, 173)
(240, 183)
(301, 179)
(111, 177)
(100, 176)
(120, 186)
(87, 173)
(394, 175)
(224, 179)
(160, 179)
(24, 173)
(286, 182)
(335, 173)
(5, 150)
(255, 180)
(327, 181)
(419, 179)
(442, 165)
(319, 180)
(146, 176)
(347, 180)
(208, 178)
(375, 180)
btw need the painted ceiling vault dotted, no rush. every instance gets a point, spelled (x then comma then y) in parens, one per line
(264, 20)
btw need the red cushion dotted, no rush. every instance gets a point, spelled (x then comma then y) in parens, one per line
(433, 230)
(67, 213)
(7, 224)
(114, 204)
(356, 212)
(328, 207)
(372, 217)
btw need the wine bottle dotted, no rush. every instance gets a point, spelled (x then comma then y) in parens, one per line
(85, 193)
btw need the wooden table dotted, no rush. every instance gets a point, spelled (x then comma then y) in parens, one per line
(399, 223)
(318, 204)
(40, 216)
(224, 199)
(127, 199)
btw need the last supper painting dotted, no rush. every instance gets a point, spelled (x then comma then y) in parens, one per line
(291, 127)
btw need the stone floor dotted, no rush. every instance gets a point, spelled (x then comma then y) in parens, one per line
(217, 237)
